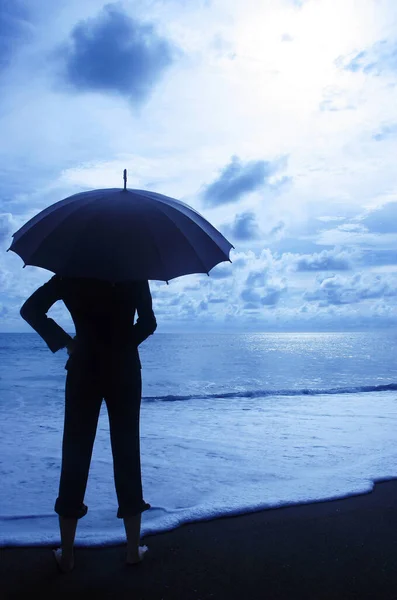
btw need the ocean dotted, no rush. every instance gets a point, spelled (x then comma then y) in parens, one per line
(231, 423)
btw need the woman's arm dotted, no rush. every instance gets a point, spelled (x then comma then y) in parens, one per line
(146, 323)
(34, 312)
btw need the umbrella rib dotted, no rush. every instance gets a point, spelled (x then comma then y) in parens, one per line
(184, 235)
(162, 199)
(59, 224)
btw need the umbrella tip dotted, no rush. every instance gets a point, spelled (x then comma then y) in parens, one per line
(125, 178)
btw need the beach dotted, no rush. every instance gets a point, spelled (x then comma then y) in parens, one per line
(339, 549)
(259, 457)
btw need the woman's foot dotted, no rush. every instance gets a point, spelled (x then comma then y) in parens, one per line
(65, 564)
(136, 557)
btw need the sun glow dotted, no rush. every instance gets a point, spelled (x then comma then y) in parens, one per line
(296, 50)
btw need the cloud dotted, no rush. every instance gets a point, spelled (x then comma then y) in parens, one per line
(221, 271)
(375, 257)
(272, 296)
(278, 230)
(336, 290)
(249, 295)
(256, 278)
(15, 26)
(286, 37)
(263, 286)
(352, 227)
(334, 100)
(298, 3)
(222, 48)
(250, 306)
(245, 227)
(327, 260)
(326, 219)
(269, 297)
(382, 219)
(237, 179)
(116, 54)
(376, 60)
(203, 305)
(374, 228)
(6, 227)
(386, 132)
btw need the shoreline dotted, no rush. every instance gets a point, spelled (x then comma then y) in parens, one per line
(336, 549)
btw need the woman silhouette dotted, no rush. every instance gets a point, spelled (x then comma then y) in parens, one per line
(103, 363)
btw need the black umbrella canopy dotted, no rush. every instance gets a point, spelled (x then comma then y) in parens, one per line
(121, 235)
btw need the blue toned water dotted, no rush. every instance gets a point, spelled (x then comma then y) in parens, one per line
(230, 423)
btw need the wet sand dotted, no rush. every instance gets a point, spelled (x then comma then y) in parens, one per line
(342, 549)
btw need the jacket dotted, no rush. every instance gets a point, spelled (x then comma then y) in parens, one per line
(103, 314)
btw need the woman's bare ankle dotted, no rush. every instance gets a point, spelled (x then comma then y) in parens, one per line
(137, 556)
(132, 527)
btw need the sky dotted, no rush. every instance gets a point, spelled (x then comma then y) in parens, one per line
(275, 119)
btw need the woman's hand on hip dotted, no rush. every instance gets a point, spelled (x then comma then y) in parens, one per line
(71, 346)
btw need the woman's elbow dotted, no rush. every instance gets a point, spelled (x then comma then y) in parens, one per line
(28, 315)
(153, 326)
(24, 312)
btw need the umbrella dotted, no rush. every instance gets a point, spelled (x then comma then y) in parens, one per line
(121, 235)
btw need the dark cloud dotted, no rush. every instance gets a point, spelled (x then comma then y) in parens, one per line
(387, 131)
(381, 57)
(237, 179)
(269, 296)
(116, 54)
(15, 27)
(245, 227)
(323, 261)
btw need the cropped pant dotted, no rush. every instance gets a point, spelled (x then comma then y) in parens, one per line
(92, 377)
